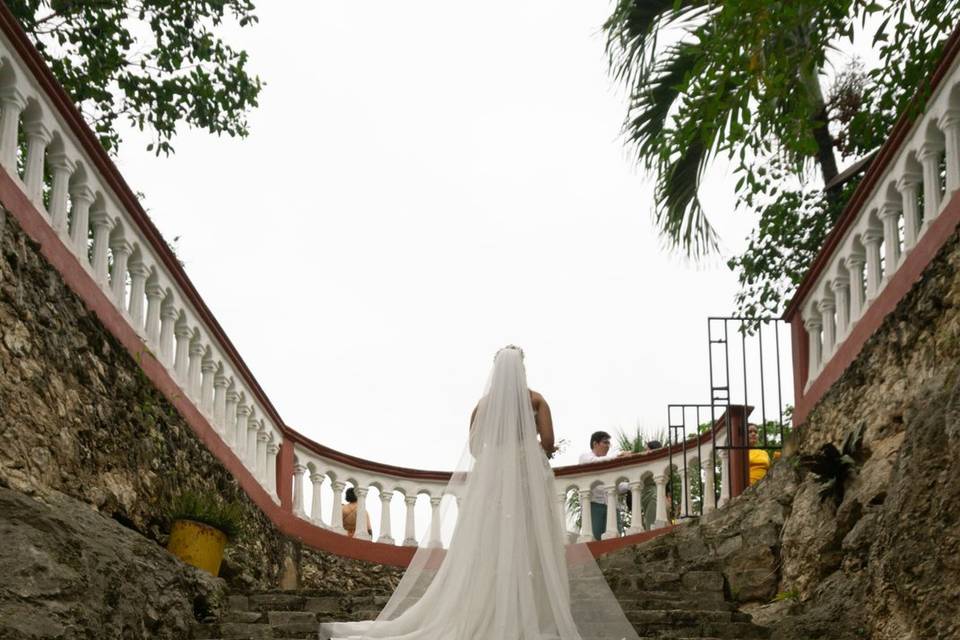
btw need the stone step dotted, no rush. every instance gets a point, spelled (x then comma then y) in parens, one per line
(696, 581)
(677, 617)
(674, 600)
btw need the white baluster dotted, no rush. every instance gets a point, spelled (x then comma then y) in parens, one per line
(38, 137)
(586, 521)
(855, 262)
(298, 471)
(841, 293)
(890, 216)
(636, 511)
(181, 361)
(360, 532)
(168, 320)
(316, 505)
(826, 308)
(929, 156)
(908, 185)
(261, 471)
(193, 367)
(410, 537)
(813, 325)
(230, 416)
(561, 506)
(611, 528)
(220, 383)
(62, 168)
(253, 426)
(13, 103)
(82, 199)
(154, 293)
(138, 288)
(240, 444)
(102, 224)
(434, 541)
(950, 125)
(724, 478)
(336, 513)
(208, 369)
(709, 488)
(118, 277)
(662, 516)
(272, 450)
(386, 528)
(872, 238)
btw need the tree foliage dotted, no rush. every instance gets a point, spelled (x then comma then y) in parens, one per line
(156, 63)
(741, 79)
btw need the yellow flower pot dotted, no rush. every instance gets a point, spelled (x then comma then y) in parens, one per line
(197, 544)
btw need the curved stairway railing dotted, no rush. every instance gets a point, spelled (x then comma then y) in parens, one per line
(901, 213)
(67, 195)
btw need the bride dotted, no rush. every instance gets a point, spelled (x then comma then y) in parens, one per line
(508, 573)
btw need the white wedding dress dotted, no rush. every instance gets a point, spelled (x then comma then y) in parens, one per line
(508, 573)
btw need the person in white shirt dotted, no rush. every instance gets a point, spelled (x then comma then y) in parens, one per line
(599, 452)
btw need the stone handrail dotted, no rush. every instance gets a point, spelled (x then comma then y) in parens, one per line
(904, 192)
(59, 183)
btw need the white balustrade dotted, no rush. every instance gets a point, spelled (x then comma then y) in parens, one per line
(872, 233)
(62, 178)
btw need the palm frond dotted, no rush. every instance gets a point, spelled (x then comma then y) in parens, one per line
(633, 30)
(654, 97)
(679, 216)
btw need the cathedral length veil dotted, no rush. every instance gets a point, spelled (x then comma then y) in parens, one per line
(507, 574)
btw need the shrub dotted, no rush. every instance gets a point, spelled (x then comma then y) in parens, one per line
(208, 509)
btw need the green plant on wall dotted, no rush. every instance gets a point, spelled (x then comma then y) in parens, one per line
(833, 467)
(208, 509)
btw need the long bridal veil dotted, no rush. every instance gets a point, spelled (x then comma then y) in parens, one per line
(508, 573)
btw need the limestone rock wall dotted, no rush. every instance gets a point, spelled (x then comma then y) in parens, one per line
(69, 572)
(77, 416)
(884, 563)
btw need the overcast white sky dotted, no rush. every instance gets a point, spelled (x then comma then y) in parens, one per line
(425, 182)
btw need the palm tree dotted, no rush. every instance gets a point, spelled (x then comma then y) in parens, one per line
(738, 78)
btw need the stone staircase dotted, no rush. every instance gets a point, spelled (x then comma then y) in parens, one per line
(287, 614)
(659, 604)
(663, 604)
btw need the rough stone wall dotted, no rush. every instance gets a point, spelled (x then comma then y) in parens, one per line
(892, 544)
(884, 563)
(77, 416)
(67, 574)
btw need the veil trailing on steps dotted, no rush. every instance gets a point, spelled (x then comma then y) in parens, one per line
(508, 573)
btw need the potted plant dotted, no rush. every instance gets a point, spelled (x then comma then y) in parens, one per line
(201, 526)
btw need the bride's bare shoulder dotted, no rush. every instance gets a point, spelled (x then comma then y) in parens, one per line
(536, 398)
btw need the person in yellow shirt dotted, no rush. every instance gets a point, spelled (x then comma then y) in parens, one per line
(759, 462)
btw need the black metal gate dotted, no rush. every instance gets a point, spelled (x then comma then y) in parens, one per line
(747, 373)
